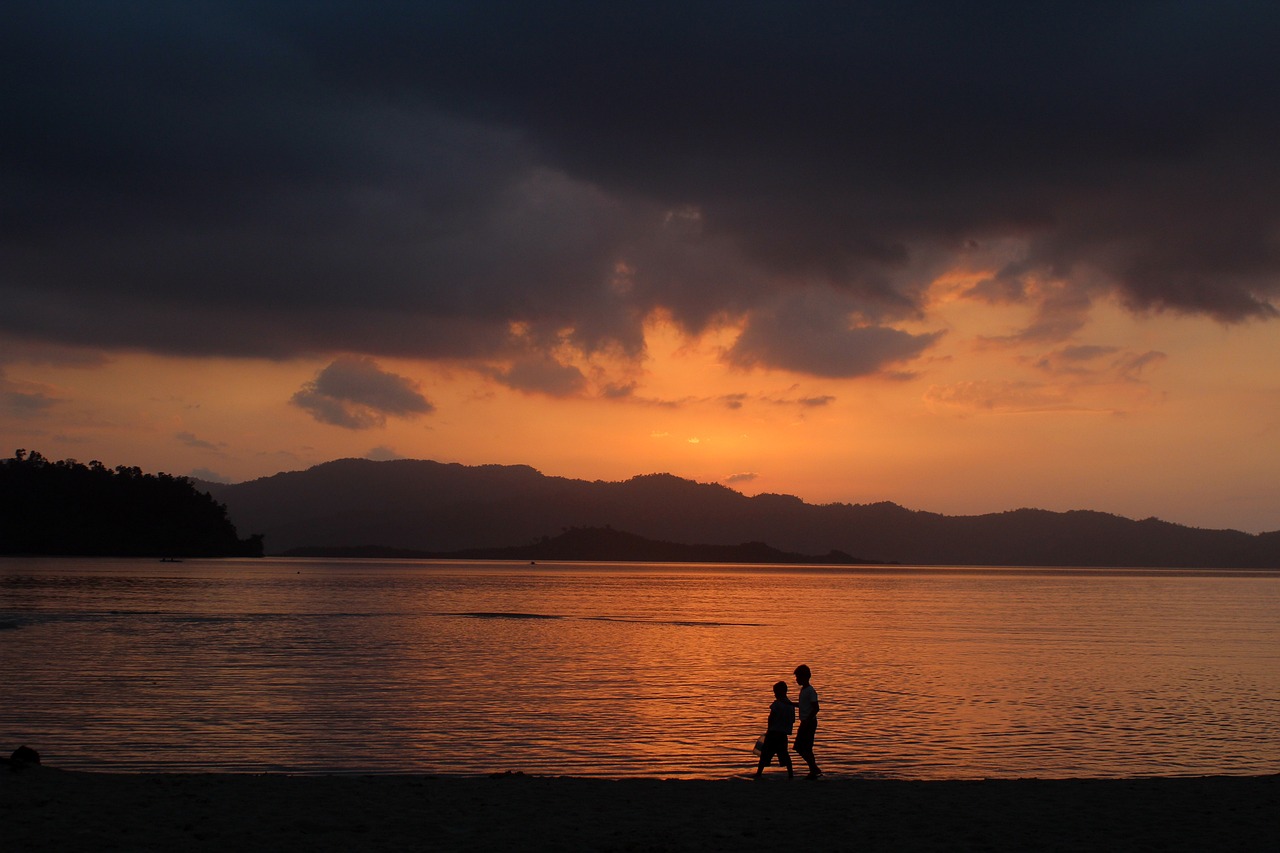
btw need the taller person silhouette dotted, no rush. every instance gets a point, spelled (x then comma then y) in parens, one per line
(808, 706)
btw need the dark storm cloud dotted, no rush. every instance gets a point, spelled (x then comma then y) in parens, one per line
(354, 392)
(412, 178)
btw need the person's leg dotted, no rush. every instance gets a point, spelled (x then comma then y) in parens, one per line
(814, 770)
(804, 746)
(766, 755)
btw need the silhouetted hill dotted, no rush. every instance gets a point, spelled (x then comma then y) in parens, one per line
(90, 510)
(437, 507)
(598, 544)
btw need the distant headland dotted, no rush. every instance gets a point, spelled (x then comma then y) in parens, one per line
(70, 509)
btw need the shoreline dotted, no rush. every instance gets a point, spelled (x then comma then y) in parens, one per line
(45, 808)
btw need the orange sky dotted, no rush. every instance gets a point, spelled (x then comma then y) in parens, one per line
(1171, 417)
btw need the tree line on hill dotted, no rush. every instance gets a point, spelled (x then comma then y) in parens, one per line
(72, 509)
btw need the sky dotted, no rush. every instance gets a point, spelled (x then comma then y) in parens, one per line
(966, 257)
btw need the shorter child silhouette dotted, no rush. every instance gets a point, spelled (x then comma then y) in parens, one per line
(782, 716)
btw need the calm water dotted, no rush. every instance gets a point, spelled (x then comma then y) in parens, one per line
(635, 670)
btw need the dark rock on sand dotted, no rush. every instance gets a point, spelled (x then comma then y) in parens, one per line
(22, 757)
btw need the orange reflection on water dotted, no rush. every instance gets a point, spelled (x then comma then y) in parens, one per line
(638, 671)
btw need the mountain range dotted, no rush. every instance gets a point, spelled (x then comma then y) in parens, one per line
(426, 506)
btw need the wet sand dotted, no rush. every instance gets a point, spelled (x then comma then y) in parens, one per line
(43, 808)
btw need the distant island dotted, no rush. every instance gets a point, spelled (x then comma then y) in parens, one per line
(603, 544)
(69, 509)
(410, 506)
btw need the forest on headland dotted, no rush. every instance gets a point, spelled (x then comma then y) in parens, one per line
(67, 508)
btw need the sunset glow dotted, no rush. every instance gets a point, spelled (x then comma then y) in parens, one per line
(1141, 425)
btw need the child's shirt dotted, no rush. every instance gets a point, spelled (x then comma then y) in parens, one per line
(808, 698)
(782, 716)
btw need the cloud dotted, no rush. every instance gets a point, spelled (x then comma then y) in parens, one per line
(410, 179)
(1094, 363)
(815, 401)
(744, 477)
(382, 453)
(13, 350)
(542, 375)
(355, 393)
(1061, 310)
(21, 399)
(191, 440)
(1132, 366)
(24, 404)
(813, 336)
(618, 390)
(208, 476)
(999, 397)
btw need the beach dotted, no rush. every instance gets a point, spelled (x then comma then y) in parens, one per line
(44, 808)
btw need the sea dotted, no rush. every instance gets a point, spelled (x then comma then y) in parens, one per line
(619, 670)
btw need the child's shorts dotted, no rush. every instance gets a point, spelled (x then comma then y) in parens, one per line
(775, 743)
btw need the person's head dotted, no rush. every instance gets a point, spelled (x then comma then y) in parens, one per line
(803, 674)
(780, 690)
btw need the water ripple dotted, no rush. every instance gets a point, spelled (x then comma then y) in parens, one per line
(252, 666)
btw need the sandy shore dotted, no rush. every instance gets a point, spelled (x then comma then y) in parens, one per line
(47, 809)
